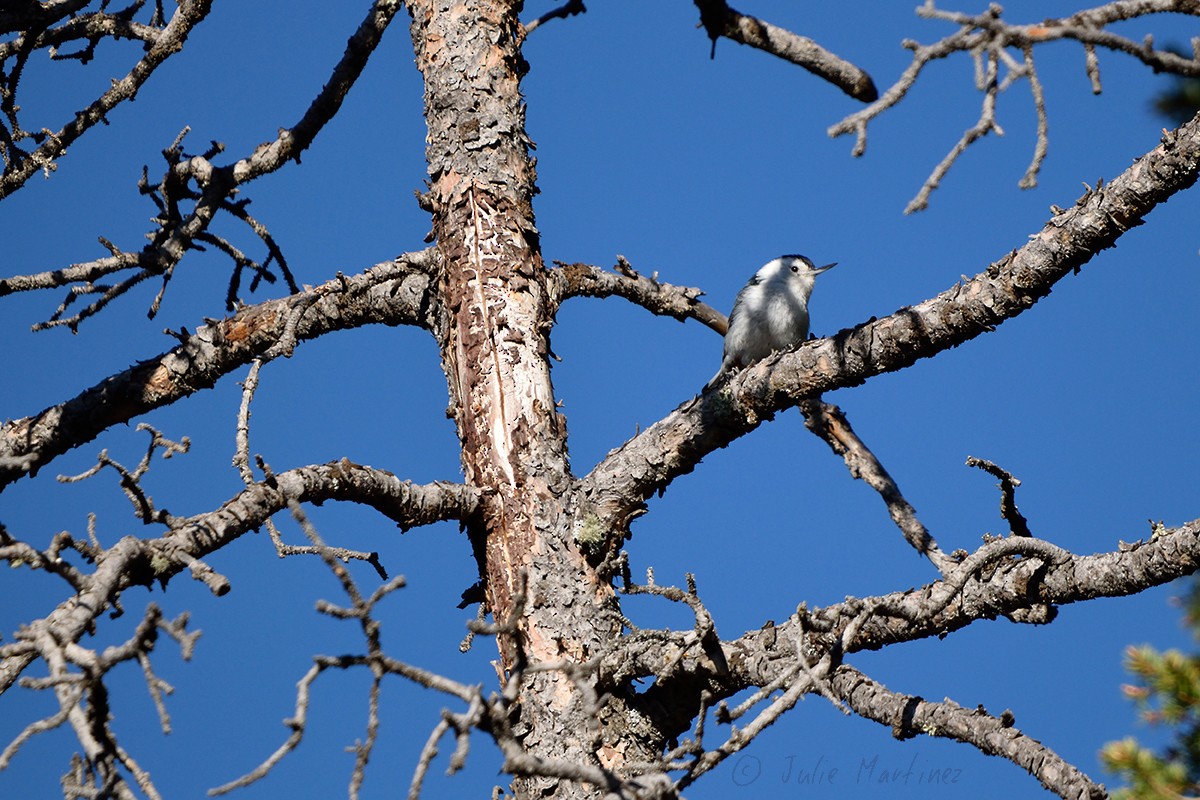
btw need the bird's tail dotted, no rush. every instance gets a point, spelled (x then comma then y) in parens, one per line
(721, 374)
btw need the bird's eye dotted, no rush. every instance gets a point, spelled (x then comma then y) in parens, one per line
(795, 268)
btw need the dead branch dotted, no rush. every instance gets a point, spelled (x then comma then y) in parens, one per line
(131, 481)
(665, 299)
(647, 464)
(766, 657)
(241, 461)
(828, 422)
(804, 653)
(132, 561)
(298, 722)
(799, 678)
(719, 20)
(1053, 578)
(702, 639)
(945, 591)
(910, 716)
(179, 230)
(394, 293)
(1017, 524)
(361, 609)
(19, 165)
(987, 39)
(77, 678)
(567, 9)
(92, 28)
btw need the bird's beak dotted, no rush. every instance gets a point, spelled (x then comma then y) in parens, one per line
(819, 270)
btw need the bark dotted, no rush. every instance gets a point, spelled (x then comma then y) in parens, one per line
(494, 343)
(394, 292)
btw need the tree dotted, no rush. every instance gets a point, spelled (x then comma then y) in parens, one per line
(590, 699)
(1168, 684)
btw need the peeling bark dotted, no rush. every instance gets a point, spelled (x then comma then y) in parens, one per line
(494, 344)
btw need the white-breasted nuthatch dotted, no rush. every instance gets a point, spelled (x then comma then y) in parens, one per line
(770, 312)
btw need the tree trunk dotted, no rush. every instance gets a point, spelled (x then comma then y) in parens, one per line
(494, 342)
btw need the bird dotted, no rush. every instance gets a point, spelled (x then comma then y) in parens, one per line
(770, 313)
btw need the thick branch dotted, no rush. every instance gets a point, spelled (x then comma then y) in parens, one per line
(1012, 585)
(768, 656)
(407, 504)
(393, 293)
(674, 445)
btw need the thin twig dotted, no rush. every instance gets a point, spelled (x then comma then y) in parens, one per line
(1017, 524)
(567, 9)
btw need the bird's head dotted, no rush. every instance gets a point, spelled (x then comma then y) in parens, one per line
(794, 270)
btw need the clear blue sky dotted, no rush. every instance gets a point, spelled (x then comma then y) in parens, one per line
(700, 170)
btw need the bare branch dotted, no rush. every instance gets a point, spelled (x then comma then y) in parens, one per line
(702, 638)
(179, 231)
(283, 550)
(1085, 27)
(363, 749)
(828, 422)
(18, 553)
(1051, 578)
(16, 16)
(945, 591)
(985, 125)
(40, 726)
(1042, 145)
(406, 503)
(132, 560)
(297, 722)
(77, 677)
(361, 609)
(131, 482)
(986, 38)
(1017, 523)
(91, 27)
(910, 716)
(429, 752)
(241, 455)
(719, 20)
(680, 302)
(394, 293)
(646, 464)
(20, 166)
(567, 9)
(766, 657)
(291, 142)
(803, 676)
(241, 460)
